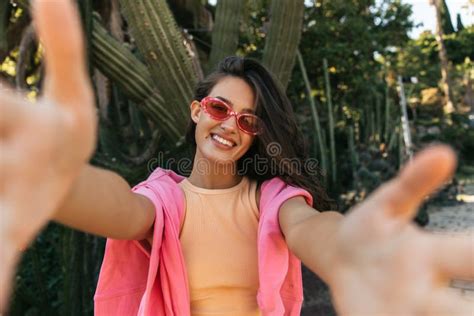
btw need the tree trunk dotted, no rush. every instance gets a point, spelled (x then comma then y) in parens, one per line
(443, 57)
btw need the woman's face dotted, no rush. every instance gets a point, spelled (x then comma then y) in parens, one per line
(239, 95)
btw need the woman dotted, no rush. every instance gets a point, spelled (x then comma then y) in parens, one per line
(374, 260)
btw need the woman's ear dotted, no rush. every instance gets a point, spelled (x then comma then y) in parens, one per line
(195, 111)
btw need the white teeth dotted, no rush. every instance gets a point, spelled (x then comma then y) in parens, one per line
(222, 140)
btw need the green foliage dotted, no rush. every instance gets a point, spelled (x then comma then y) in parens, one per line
(446, 23)
(459, 24)
(460, 45)
(420, 59)
(461, 136)
(350, 34)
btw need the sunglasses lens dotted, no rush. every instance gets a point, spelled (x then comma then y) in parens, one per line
(250, 123)
(217, 109)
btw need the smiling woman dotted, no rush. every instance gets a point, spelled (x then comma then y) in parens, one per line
(248, 87)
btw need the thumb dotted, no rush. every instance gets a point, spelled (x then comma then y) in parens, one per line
(420, 177)
(395, 203)
(59, 30)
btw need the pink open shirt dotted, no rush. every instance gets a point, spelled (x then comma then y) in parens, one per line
(135, 281)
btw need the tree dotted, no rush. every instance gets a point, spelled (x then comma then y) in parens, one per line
(459, 25)
(446, 22)
(445, 75)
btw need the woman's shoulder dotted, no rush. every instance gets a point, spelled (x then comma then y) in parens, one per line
(258, 190)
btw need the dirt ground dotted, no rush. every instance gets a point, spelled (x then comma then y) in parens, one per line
(456, 219)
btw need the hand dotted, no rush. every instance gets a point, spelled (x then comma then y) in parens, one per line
(44, 145)
(385, 265)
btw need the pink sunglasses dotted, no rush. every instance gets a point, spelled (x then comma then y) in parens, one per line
(221, 111)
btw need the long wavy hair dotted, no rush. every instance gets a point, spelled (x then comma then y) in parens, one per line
(282, 144)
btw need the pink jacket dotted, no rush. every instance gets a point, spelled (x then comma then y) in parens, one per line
(137, 281)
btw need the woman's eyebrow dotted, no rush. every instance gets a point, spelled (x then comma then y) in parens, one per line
(232, 105)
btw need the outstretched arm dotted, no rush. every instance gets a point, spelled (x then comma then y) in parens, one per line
(375, 261)
(45, 148)
(101, 202)
(310, 234)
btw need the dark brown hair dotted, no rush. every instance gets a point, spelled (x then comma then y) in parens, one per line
(281, 144)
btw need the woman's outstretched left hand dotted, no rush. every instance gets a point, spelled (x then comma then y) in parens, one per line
(385, 265)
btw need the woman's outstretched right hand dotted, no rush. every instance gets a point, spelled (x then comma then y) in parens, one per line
(44, 145)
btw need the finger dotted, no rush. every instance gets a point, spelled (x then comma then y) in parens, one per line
(401, 197)
(59, 29)
(454, 255)
(13, 107)
(448, 301)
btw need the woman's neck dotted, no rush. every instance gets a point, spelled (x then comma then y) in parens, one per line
(219, 177)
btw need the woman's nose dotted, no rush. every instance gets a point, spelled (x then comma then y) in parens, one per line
(230, 125)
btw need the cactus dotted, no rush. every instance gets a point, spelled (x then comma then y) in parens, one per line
(314, 112)
(4, 19)
(225, 36)
(331, 121)
(162, 45)
(133, 77)
(353, 153)
(378, 119)
(387, 113)
(283, 38)
(372, 128)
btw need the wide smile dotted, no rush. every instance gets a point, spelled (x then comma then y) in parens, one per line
(222, 142)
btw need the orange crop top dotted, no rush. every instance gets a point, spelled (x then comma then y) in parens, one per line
(219, 243)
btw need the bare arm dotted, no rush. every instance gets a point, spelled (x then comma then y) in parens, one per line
(309, 234)
(374, 259)
(101, 202)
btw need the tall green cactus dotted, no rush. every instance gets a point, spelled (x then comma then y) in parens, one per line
(331, 121)
(283, 38)
(378, 117)
(225, 35)
(352, 152)
(387, 113)
(314, 112)
(133, 77)
(163, 48)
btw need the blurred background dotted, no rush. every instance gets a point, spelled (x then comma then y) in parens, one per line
(371, 82)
